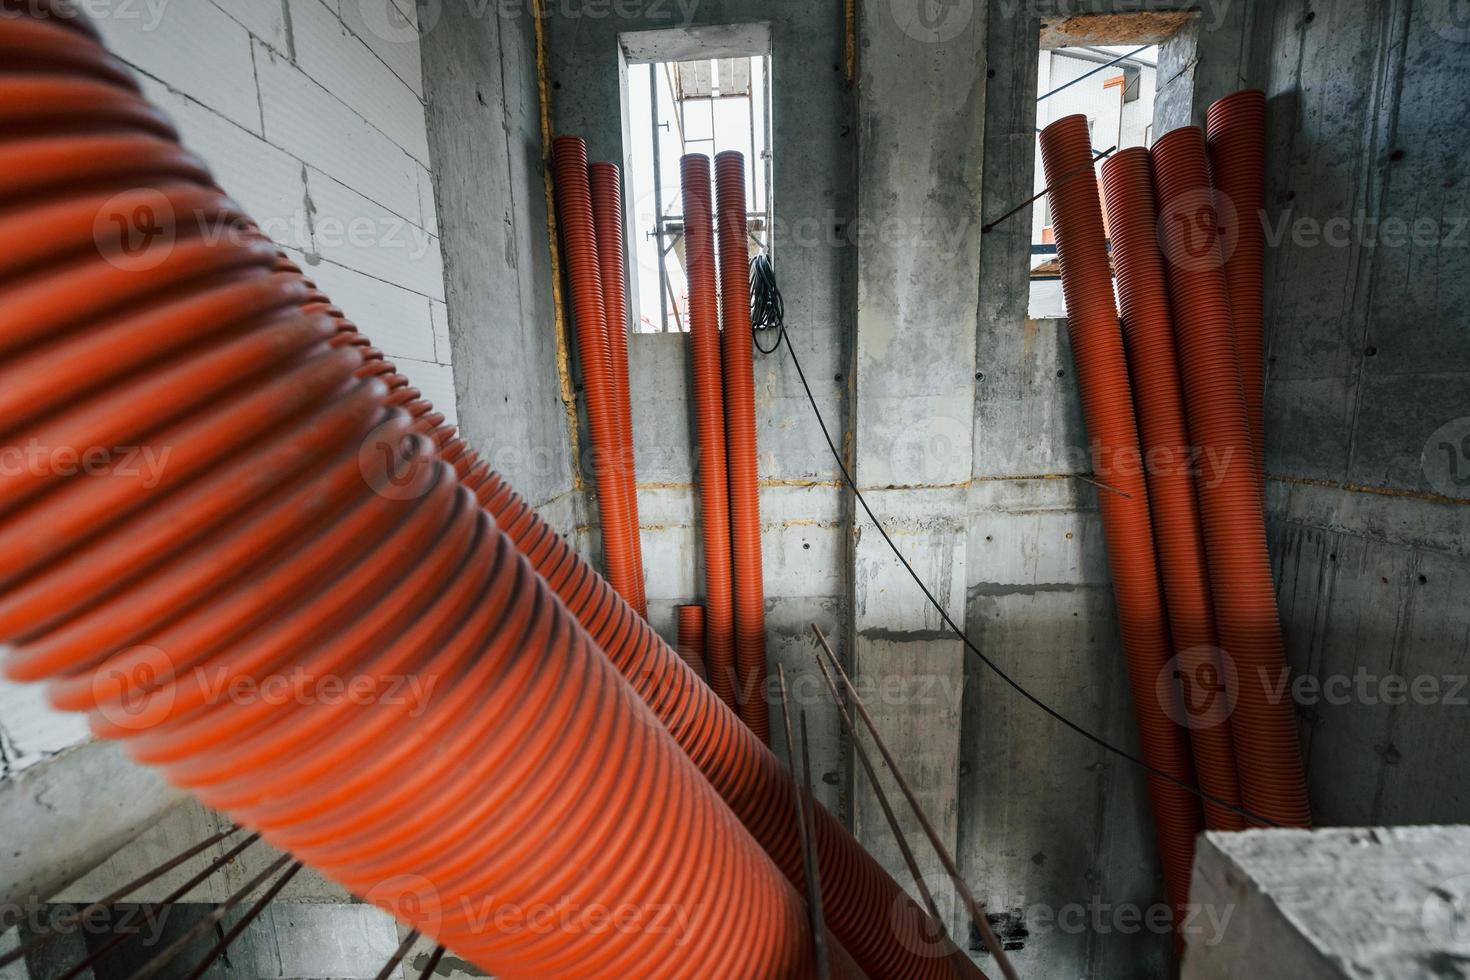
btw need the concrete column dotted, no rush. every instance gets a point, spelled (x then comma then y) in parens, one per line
(921, 102)
(1210, 57)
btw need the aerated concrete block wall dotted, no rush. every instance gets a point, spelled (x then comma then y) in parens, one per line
(311, 113)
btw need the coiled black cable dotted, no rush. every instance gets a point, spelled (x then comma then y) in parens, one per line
(767, 311)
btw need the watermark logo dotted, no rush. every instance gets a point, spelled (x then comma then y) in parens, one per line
(395, 463)
(389, 19)
(1366, 687)
(1446, 459)
(933, 451)
(148, 14)
(1364, 230)
(134, 687)
(143, 921)
(1450, 19)
(145, 464)
(932, 21)
(1198, 687)
(408, 898)
(915, 929)
(135, 230)
(1199, 230)
(303, 687)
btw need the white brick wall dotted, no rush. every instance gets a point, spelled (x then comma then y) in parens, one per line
(311, 115)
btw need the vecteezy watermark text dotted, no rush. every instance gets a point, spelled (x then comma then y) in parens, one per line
(35, 458)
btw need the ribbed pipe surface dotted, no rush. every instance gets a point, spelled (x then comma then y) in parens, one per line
(584, 274)
(1153, 368)
(1235, 134)
(1262, 725)
(875, 919)
(299, 528)
(607, 213)
(740, 445)
(1107, 408)
(690, 621)
(709, 416)
(886, 932)
(876, 912)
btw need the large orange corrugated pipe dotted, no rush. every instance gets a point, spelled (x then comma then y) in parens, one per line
(1143, 307)
(1267, 757)
(1235, 128)
(1107, 408)
(607, 212)
(894, 937)
(584, 273)
(878, 922)
(882, 927)
(740, 445)
(709, 417)
(306, 522)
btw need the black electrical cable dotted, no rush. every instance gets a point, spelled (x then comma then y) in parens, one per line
(767, 312)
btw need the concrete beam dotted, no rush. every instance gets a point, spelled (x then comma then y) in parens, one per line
(1340, 904)
(64, 816)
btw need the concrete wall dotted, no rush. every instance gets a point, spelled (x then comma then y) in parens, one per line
(1366, 414)
(311, 113)
(1366, 400)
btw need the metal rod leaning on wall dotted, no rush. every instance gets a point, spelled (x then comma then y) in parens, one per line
(242, 923)
(807, 832)
(168, 899)
(558, 300)
(976, 911)
(173, 949)
(989, 226)
(398, 955)
(61, 922)
(867, 762)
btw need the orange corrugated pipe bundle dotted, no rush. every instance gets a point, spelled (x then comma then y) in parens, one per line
(1235, 129)
(1143, 306)
(584, 273)
(1107, 407)
(709, 417)
(740, 446)
(1267, 757)
(607, 212)
(690, 617)
(880, 925)
(300, 528)
(883, 928)
(886, 932)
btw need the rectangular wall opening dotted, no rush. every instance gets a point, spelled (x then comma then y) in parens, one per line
(1113, 85)
(689, 91)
